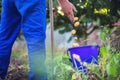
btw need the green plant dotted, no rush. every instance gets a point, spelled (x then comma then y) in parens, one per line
(107, 68)
(62, 68)
(109, 59)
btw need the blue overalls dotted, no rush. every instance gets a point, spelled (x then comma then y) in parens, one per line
(30, 16)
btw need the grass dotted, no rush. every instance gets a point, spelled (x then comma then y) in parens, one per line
(18, 69)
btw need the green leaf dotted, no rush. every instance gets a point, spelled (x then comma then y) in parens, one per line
(103, 35)
(111, 70)
(103, 51)
(74, 76)
(66, 56)
(108, 48)
(69, 39)
(118, 11)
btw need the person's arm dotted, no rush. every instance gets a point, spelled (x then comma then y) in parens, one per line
(67, 8)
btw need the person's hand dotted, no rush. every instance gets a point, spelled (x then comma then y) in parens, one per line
(68, 9)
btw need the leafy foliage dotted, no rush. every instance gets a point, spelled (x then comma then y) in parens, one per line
(107, 68)
(92, 14)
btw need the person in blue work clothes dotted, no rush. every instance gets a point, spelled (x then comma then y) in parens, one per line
(30, 16)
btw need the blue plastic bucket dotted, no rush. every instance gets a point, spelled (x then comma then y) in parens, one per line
(88, 54)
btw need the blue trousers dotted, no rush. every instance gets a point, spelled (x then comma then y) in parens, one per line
(30, 16)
